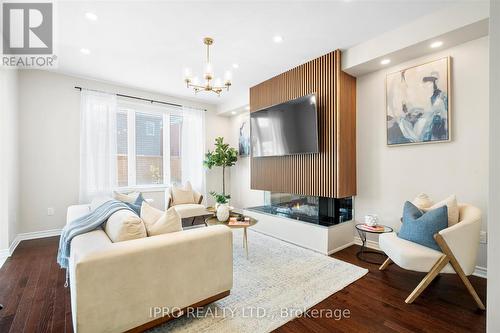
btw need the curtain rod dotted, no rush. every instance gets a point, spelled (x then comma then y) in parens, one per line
(141, 99)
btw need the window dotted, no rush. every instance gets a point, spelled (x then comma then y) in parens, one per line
(148, 145)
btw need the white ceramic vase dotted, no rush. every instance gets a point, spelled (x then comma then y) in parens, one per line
(223, 212)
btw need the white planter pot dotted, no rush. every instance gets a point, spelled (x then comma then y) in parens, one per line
(223, 212)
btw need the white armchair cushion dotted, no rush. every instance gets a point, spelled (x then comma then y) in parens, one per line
(182, 195)
(409, 255)
(452, 205)
(423, 202)
(159, 222)
(124, 225)
(191, 210)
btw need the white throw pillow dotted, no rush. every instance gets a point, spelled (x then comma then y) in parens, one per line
(126, 197)
(453, 211)
(159, 222)
(124, 225)
(422, 201)
(183, 195)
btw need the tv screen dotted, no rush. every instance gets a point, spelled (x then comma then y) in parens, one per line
(285, 129)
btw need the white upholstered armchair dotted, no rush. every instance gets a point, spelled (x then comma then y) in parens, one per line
(187, 202)
(459, 245)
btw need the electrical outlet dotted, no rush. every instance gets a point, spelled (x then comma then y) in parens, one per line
(50, 211)
(483, 237)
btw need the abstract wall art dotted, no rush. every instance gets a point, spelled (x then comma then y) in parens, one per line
(418, 104)
(244, 138)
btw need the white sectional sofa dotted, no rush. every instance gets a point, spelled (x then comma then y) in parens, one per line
(116, 287)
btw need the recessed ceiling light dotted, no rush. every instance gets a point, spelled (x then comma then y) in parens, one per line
(277, 39)
(91, 16)
(437, 44)
(385, 61)
(233, 112)
(235, 66)
(85, 51)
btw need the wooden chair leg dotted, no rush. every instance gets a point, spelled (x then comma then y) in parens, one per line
(386, 264)
(438, 266)
(456, 266)
(194, 219)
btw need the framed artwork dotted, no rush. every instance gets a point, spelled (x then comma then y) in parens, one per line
(418, 104)
(244, 138)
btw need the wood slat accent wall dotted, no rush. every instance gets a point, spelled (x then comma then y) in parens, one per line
(331, 172)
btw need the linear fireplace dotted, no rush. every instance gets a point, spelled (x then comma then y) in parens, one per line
(317, 210)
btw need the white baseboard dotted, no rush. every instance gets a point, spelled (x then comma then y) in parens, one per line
(6, 253)
(479, 271)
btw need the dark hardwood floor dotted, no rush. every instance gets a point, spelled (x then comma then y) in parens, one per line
(32, 291)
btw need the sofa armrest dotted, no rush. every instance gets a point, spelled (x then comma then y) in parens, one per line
(117, 288)
(76, 211)
(463, 240)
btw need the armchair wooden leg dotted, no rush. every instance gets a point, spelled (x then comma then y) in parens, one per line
(438, 266)
(386, 264)
(456, 266)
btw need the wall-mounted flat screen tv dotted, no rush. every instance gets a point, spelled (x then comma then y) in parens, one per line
(285, 129)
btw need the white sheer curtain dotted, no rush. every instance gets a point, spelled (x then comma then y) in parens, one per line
(97, 144)
(193, 148)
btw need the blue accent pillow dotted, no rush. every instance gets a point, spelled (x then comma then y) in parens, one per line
(136, 205)
(420, 227)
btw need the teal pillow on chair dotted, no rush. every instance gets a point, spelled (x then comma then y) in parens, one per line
(420, 227)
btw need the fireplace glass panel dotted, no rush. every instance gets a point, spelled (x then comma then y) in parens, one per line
(318, 210)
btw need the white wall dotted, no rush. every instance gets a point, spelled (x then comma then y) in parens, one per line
(49, 143)
(241, 194)
(388, 176)
(9, 156)
(493, 306)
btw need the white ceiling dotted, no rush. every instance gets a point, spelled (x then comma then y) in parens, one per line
(147, 45)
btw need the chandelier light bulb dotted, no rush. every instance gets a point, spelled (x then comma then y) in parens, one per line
(209, 70)
(187, 74)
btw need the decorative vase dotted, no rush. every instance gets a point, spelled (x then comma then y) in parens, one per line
(223, 212)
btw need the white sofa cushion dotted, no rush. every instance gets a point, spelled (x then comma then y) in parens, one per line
(409, 255)
(158, 222)
(124, 225)
(191, 210)
(126, 197)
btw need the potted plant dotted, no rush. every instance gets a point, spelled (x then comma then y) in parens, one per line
(222, 156)
(221, 206)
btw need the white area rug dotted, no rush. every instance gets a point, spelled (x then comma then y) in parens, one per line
(277, 283)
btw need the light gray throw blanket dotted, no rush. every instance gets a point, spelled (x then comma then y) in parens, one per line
(84, 224)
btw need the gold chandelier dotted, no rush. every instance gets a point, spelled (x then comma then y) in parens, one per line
(209, 85)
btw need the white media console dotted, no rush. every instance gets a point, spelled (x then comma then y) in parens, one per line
(322, 239)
